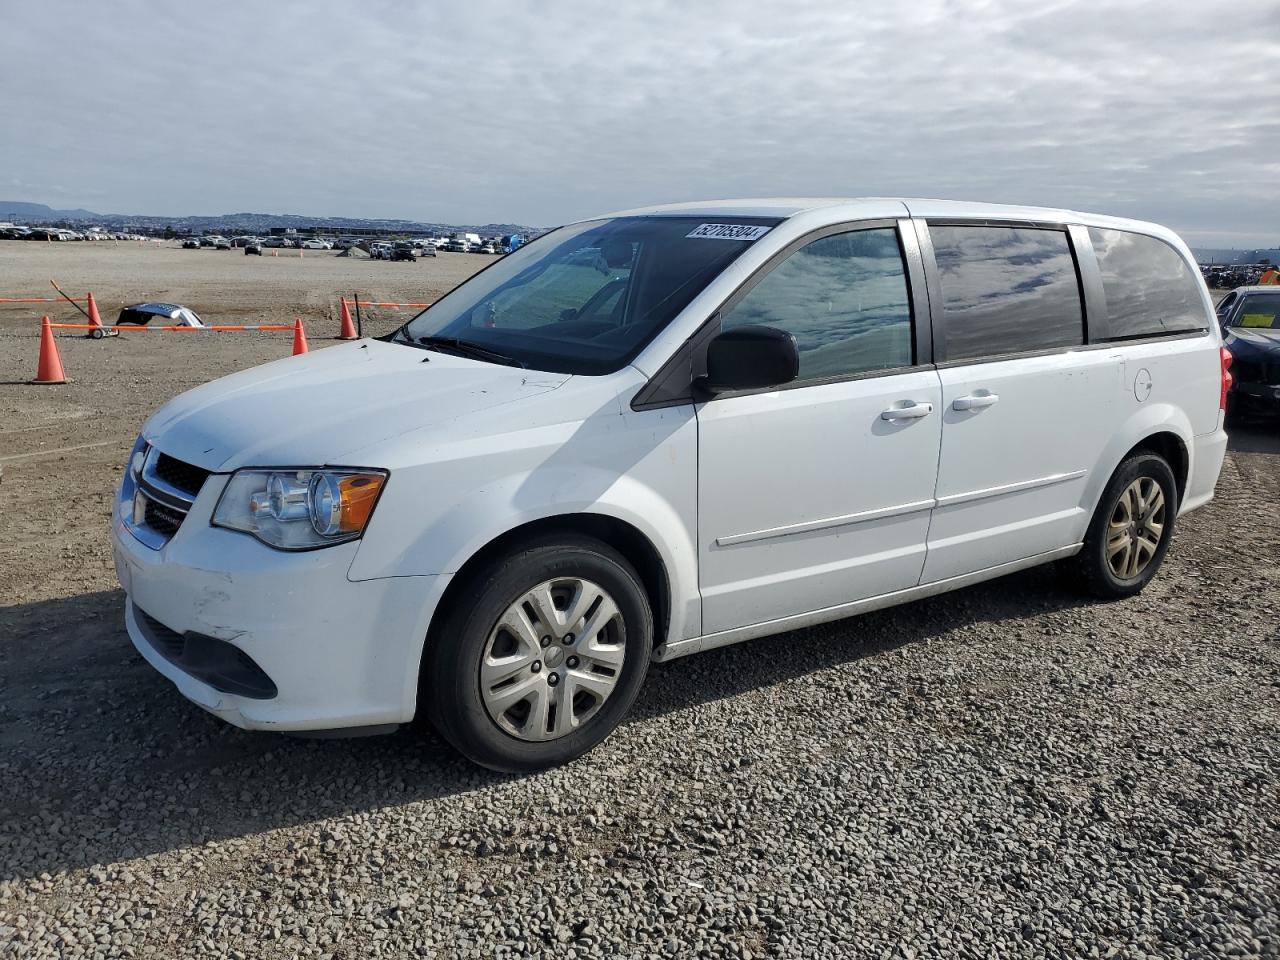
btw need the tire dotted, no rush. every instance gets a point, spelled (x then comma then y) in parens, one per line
(536, 732)
(1101, 568)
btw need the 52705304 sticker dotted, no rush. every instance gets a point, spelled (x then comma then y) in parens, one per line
(727, 231)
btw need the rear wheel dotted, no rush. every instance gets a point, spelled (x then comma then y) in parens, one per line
(541, 656)
(1130, 531)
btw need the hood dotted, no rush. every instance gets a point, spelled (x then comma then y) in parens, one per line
(314, 409)
(1253, 340)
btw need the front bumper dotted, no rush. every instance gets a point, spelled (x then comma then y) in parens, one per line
(340, 653)
(1256, 392)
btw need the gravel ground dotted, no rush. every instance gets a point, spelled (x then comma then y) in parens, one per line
(1003, 771)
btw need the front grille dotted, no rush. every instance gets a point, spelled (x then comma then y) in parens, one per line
(168, 488)
(162, 519)
(1246, 372)
(185, 476)
(220, 664)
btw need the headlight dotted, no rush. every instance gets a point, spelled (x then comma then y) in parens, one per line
(299, 509)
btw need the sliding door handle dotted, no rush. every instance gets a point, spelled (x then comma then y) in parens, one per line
(975, 401)
(910, 410)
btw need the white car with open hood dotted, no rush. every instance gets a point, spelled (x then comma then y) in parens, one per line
(657, 432)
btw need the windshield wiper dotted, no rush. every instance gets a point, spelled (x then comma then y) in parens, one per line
(468, 349)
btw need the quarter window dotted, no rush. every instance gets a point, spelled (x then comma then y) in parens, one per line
(1006, 290)
(845, 300)
(1149, 287)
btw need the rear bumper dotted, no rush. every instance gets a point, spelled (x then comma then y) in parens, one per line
(1207, 454)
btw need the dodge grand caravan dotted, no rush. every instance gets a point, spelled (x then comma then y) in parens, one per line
(659, 432)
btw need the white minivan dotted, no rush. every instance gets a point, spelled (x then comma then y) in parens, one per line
(659, 432)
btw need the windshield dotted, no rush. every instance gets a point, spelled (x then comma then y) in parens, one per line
(1259, 311)
(588, 297)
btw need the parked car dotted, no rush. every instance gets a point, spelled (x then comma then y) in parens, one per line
(380, 251)
(648, 435)
(191, 243)
(243, 241)
(253, 249)
(169, 314)
(1250, 318)
(221, 243)
(278, 242)
(313, 244)
(402, 250)
(456, 245)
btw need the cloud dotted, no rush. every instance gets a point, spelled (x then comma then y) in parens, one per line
(542, 113)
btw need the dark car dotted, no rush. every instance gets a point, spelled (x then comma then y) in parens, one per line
(169, 314)
(402, 250)
(253, 249)
(191, 244)
(1250, 318)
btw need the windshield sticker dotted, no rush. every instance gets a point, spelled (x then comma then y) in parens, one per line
(728, 231)
(1256, 320)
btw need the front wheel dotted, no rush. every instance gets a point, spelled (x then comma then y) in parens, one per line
(1131, 529)
(540, 657)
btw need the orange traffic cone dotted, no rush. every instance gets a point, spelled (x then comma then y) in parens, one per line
(299, 337)
(348, 331)
(49, 366)
(94, 319)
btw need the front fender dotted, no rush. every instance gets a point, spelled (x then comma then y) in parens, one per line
(639, 468)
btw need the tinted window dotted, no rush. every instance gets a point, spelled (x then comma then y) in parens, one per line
(844, 298)
(588, 297)
(1150, 289)
(1006, 290)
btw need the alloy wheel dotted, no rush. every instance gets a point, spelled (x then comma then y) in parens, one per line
(1136, 526)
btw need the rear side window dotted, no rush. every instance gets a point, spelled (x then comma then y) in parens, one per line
(844, 298)
(1150, 289)
(1006, 290)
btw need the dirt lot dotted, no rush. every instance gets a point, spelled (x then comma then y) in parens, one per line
(223, 286)
(1004, 771)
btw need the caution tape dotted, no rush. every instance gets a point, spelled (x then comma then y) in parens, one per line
(380, 303)
(211, 328)
(43, 299)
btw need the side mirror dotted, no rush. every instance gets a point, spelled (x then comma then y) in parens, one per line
(749, 358)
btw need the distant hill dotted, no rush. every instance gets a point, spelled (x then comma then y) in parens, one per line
(233, 223)
(1208, 255)
(40, 211)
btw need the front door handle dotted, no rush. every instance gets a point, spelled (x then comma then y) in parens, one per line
(975, 401)
(910, 410)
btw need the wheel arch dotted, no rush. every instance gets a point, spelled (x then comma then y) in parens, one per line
(626, 538)
(1162, 429)
(1173, 449)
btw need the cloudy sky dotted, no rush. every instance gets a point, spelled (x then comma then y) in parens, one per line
(469, 111)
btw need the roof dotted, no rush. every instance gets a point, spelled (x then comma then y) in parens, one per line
(788, 207)
(160, 309)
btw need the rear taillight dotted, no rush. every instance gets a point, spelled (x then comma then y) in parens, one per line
(1226, 378)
